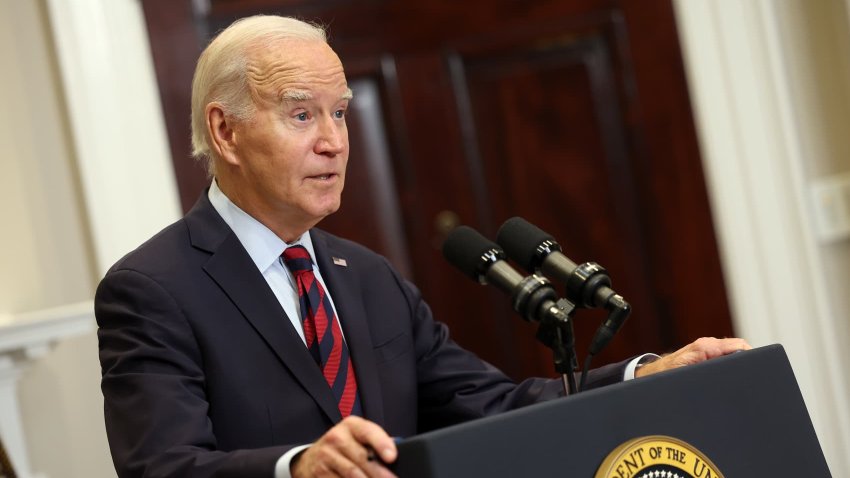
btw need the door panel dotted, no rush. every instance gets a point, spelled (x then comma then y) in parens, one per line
(545, 112)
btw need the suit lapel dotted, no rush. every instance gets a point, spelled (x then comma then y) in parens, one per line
(232, 269)
(343, 283)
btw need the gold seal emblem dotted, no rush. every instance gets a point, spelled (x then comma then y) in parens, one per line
(657, 456)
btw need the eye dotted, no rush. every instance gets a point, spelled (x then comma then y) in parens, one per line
(339, 114)
(302, 116)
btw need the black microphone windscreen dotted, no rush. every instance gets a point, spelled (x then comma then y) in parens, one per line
(520, 239)
(464, 247)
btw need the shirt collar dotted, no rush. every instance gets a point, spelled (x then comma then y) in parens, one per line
(263, 245)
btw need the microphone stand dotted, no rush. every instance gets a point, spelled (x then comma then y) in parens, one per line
(535, 299)
(556, 332)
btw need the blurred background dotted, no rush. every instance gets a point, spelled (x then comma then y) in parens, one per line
(697, 149)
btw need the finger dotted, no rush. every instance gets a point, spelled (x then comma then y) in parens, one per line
(716, 347)
(707, 348)
(355, 439)
(377, 469)
(373, 436)
(344, 440)
(741, 344)
(325, 458)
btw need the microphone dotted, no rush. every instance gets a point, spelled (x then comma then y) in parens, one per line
(588, 284)
(533, 297)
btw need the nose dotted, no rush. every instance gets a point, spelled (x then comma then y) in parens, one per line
(332, 137)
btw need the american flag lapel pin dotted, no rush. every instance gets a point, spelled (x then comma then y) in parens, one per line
(340, 261)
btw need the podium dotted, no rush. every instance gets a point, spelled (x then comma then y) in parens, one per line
(744, 412)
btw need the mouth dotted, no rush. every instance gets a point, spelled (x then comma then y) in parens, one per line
(323, 177)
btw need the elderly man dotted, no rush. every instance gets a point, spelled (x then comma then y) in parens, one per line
(242, 341)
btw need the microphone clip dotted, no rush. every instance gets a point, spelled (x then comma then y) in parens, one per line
(533, 297)
(586, 282)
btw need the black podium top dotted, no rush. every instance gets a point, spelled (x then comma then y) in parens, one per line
(743, 411)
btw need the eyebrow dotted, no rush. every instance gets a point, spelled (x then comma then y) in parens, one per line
(296, 95)
(303, 95)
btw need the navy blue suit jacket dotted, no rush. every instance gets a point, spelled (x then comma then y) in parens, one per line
(203, 375)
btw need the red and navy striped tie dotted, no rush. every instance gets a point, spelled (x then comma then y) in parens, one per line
(322, 332)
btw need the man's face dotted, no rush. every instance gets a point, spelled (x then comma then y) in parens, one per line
(294, 151)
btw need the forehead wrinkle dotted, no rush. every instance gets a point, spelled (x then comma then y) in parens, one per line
(261, 78)
(291, 80)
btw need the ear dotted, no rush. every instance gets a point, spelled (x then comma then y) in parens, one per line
(222, 133)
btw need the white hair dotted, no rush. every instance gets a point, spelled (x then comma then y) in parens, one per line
(221, 73)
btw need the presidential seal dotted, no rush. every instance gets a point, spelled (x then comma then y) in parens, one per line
(657, 456)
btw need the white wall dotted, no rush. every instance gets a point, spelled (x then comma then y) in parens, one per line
(770, 85)
(87, 177)
(816, 38)
(45, 249)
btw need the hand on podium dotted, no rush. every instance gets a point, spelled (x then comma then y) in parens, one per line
(698, 351)
(355, 447)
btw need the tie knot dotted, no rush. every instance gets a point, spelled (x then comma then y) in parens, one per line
(297, 259)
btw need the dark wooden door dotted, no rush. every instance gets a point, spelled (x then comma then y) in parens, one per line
(573, 114)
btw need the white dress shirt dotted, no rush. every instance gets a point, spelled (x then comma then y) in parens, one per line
(265, 248)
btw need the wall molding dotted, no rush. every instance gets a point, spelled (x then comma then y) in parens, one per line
(116, 122)
(23, 339)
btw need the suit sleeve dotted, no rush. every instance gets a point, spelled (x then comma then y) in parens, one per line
(153, 387)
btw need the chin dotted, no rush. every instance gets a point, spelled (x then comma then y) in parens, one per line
(328, 209)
